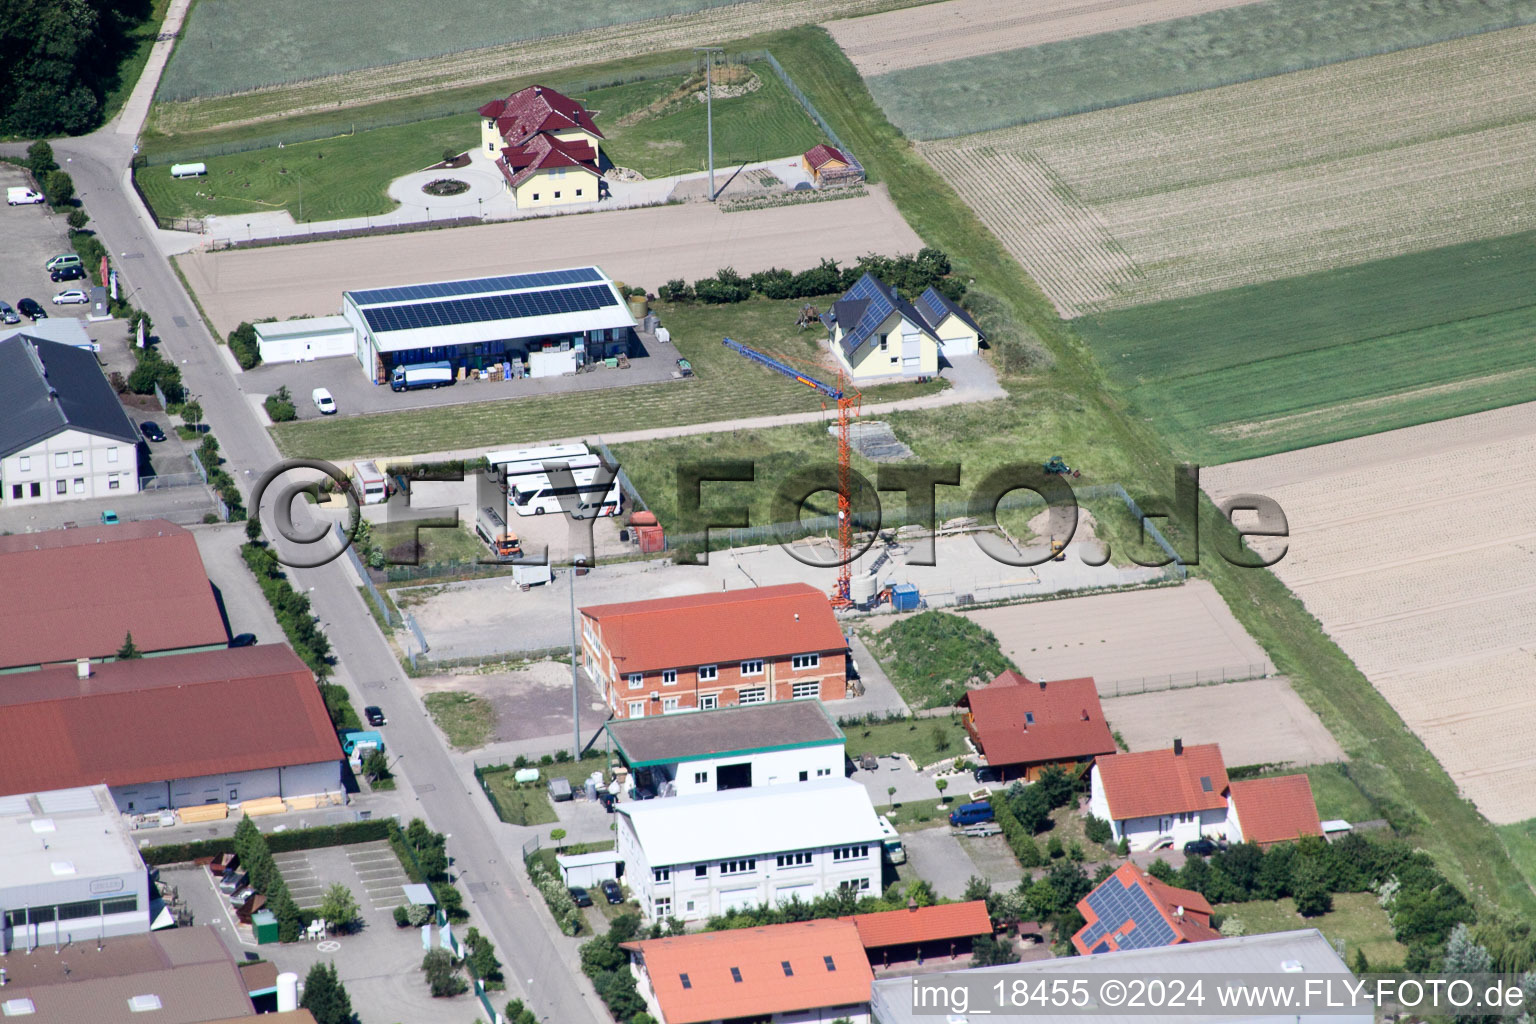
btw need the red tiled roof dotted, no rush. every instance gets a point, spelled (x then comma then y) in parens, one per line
(1154, 782)
(759, 954)
(76, 593)
(1024, 722)
(1187, 912)
(821, 154)
(537, 109)
(1275, 810)
(543, 152)
(923, 924)
(154, 719)
(709, 629)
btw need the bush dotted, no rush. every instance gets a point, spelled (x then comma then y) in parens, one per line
(675, 290)
(244, 346)
(1053, 848)
(442, 976)
(402, 916)
(279, 406)
(59, 187)
(40, 159)
(78, 218)
(290, 607)
(1097, 829)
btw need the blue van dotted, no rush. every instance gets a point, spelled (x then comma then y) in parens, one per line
(970, 814)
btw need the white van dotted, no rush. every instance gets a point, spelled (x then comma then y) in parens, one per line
(188, 170)
(323, 401)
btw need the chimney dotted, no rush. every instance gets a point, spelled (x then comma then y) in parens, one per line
(83, 668)
(1042, 684)
(1178, 747)
(538, 90)
(797, 616)
(912, 904)
(1085, 714)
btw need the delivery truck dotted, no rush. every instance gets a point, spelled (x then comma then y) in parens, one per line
(421, 375)
(371, 486)
(22, 196)
(493, 530)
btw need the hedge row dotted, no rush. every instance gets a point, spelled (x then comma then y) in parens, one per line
(278, 842)
(910, 275)
(291, 609)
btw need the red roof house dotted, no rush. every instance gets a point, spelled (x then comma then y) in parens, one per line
(754, 973)
(750, 646)
(827, 165)
(1132, 910)
(919, 933)
(1021, 727)
(1276, 810)
(77, 593)
(536, 109)
(539, 139)
(1162, 797)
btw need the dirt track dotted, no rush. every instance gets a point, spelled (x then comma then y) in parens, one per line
(644, 247)
(1416, 550)
(936, 33)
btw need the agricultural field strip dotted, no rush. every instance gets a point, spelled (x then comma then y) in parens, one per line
(498, 63)
(1222, 188)
(1424, 583)
(956, 29)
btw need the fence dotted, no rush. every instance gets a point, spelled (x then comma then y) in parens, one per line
(164, 481)
(630, 492)
(810, 108)
(385, 608)
(1183, 680)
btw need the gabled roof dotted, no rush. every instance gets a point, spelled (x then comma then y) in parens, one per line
(1024, 722)
(155, 719)
(1154, 782)
(76, 593)
(753, 822)
(723, 732)
(923, 924)
(936, 306)
(880, 300)
(718, 628)
(1275, 810)
(537, 109)
(545, 152)
(47, 388)
(1132, 910)
(826, 967)
(821, 154)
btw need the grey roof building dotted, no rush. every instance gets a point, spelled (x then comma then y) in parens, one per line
(877, 333)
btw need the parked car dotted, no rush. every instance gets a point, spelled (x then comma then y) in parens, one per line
(20, 196)
(375, 715)
(109, 518)
(67, 273)
(323, 401)
(1201, 847)
(29, 307)
(239, 899)
(987, 773)
(869, 762)
(579, 896)
(8, 315)
(151, 431)
(243, 640)
(71, 297)
(67, 259)
(613, 892)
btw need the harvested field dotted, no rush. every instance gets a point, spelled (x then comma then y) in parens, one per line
(1249, 183)
(1415, 550)
(646, 246)
(1140, 639)
(412, 77)
(1260, 721)
(958, 29)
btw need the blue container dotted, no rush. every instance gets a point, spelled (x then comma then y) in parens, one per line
(904, 597)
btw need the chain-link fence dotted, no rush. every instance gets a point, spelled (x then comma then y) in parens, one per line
(385, 609)
(636, 502)
(1182, 680)
(810, 108)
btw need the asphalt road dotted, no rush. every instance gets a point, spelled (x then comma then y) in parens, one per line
(526, 938)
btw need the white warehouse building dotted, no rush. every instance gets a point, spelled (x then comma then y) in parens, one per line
(695, 857)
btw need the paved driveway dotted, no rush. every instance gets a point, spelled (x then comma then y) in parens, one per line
(938, 859)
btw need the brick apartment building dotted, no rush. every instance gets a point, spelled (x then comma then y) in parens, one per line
(715, 650)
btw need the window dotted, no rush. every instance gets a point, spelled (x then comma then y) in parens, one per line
(79, 458)
(850, 853)
(828, 961)
(535, 197)
(25, 463)
(709, 673)
(557, 195)
(737, 867)
(699, 778)
(804, 776)
(884, 345)
(60, 487)
(709, 702)
(755, 695)
(700, 871)
(112, 454)
(578, 191)
(804, 691)
(668, 676)
(668, 704)
(689, 905)
(61, 460)
(794, 860)
(736, 975)
(752, 668)
(662, 874)
(637, 709)
(79, 485)
(37, 490)
(663, 906)
(856, 884)
(800, 661)
(789, 972)
(16, 492)
(823, 771)
(636, 680)
(112, 482)
(683, 977)
(1029, 718)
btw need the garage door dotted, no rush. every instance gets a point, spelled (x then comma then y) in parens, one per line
(784, 893)
(739, 899)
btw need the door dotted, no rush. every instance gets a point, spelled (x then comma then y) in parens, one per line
(734, 776)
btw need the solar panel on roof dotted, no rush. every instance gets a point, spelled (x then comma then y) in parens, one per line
(483, 308)
(446, 289)
(1115, 905)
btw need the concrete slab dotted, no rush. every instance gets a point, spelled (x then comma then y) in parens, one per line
(938, 858)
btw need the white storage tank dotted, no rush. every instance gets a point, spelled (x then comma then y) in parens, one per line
(188, 170)
(287, 992)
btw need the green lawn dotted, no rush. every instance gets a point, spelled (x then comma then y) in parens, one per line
(467, 720)
(913, 815)
(521, 804)
(1336, 794)
(1356, 918)
(1168, 57)
(925, 740)
(724, 386)
(141, 40)
(932, 656)
(406, 544)
(1302, 361)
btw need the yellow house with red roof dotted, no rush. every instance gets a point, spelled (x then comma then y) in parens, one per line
(546, 146)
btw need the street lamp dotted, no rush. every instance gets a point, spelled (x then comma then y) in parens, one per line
(709, 108)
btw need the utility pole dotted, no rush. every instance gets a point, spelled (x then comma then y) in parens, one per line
(575, 685)
(709, 108)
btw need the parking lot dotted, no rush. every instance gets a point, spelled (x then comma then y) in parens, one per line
(370, 870)
(32, 235)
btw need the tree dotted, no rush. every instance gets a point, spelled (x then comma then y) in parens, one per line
(59, 187)
(253, 529)
(1056, 786)
(1163, 872)
(290, 922)
(325, 997)
(1096, 829)
(941, 740)
(890, 791)
(376, 765)
(989, 951)
(191, 409)
(442, 975)
(941, 785)
(40, 159)
(976, 888)
(1053, 848)
(517, 1013)
(77, 218)
(279, 406)
(1465, 956)
(128, 651)
(338, 908)
(482, 958)
(1310, 889)
(137, 317)
(557, 836)
(1031, 805)
(1359, 964)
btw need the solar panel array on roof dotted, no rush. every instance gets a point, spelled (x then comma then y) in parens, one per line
(1114, 905)
(489, 307)
(445, 289)
(875, 313)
